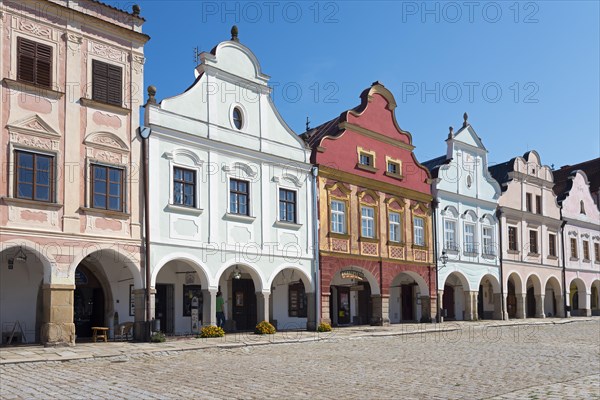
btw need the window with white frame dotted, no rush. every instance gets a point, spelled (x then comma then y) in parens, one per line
(338, 217)
(395, 235)
(487, 234)
(287, 205)
(419, 231)
(533, 242)
(367, 222)
(469, 238)
(239, 197)
(450, 235)
(184, 187)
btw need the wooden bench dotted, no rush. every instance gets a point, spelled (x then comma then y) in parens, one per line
(99, 332)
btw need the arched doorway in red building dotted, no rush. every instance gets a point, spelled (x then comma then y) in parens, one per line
(351, 300)
(409, 298)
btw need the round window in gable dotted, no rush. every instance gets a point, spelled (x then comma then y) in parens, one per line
(469, 181)
(238, 120)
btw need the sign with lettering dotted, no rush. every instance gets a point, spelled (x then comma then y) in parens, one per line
(351, 274)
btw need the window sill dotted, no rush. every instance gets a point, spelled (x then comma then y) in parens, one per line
(367, 168)
(395, 176)
(489, 256)
(573, 259)
(46, 205)
(32, 88)
(239, 218)
(470, 254)
(183, 209)
(585, 260)
(368, 239)
(104, 106)
(512, 251)
(453, 252)
(287, 225)
(397, 244)
(105, 213)
(419, 247)
(530, 254)
(336, 235)
(551, 257)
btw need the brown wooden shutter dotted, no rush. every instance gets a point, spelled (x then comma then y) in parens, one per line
(115, 85)
(107, 83)
(43, 68)
(25, 60)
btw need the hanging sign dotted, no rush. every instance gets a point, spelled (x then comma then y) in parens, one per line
(351, 274)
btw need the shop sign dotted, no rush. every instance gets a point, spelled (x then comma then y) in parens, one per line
(351, 274)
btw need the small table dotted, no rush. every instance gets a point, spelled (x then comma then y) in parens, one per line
(99, 332)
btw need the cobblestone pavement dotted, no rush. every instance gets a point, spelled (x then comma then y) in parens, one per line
(498, 362)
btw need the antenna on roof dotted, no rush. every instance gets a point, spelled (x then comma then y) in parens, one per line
(196, 55)
(307, 124)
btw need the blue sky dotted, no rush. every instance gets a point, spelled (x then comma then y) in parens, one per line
(527, 73)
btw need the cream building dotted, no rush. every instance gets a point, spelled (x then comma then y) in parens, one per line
(530, 229)
(231, 203)
(70, 204)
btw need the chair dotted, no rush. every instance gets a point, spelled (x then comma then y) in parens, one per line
(123, 331)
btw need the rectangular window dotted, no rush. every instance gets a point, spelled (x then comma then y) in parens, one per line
(107, 83)
(367, 222)
(107, 188)
(393, 168)
(597, 252)
(239, 197)
(419, 231)
(34, 62)
(488, 241)
(450, 235)
(538, 204)
(573, 248)
(586, 250)
(552, 244)
(287, 205)
(395, 227)
(512, 238)
(533, 242)
(34, 176)
(469, 238)
(297, 304)
(184, 187)
(366, 159)
(528, 201)
(338, 217)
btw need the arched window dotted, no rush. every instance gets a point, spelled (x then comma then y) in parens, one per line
(237, 118)
(581, 207)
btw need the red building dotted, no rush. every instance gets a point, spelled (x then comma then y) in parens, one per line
(375, 238)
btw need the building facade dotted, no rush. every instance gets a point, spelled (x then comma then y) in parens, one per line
(581, 235)
(375, 242)
(69, 209)
(530, 230)
(231, 205)
(466, 229)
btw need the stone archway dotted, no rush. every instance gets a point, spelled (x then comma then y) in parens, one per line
(533, 297)
(457, 300)
(595, 298)
(352, 293)
(409, 298)
(292, 300)
(515, 298)
(553, 298)
(489, 299)
(578, 298)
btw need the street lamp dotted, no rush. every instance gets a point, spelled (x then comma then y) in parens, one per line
(443, 259)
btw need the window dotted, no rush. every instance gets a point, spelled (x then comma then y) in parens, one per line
(469, 238)
(528, 204)
(239, 200)
(34, 176)
(573, 248)
(184, 187)
(586, 250)
(538, 204)
(512, 238)
(287, 205)
(533, 242)
(552, 245)
(450, 235)
(488, 241)
(34, 62)
(367, 222)
(107, 83)
(297, 300)
(581, 207)
(393, 168)
(238, 121)
(419, 231)
(366, 159)
(338, 217)
(107, 188)
(395, 235)
(597, 252)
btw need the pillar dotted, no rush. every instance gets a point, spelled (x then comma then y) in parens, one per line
(440, 310)
(325, 299)
(311, 311)
(58, 328)
(470, 306)
(385, 309)
(520, 305)
(498, 306)
(425, 309)
(377, 312)
(560, 306)
(588, 300)
(141, 329)
(262, 306)
(539, 306)
(209, 307)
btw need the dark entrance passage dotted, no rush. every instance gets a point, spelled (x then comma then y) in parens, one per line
(88, 303)
(406, 297)
(243, 305)
(448, 302)
(480, 313)
(343, 305)
(164, 307)
(530, 303)
(511, 300)
(365, 304)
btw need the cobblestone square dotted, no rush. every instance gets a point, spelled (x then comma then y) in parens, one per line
(478, 361)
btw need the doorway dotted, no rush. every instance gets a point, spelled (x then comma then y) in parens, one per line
(343, 305)
(243, 307)
(448, 302)
(480, 311)
(530, 298)
(88, 302)
(364, 304)
(164, 307)
(406, 297)
(511, 300)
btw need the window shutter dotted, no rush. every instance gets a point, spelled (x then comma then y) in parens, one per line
(44, 65)
(99, 81)
(115, 85)
(26, 60)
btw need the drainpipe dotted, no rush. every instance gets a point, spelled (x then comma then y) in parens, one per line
(434, 205)
(146, 228)
(564, 264)
(500, 258)
(315, 221)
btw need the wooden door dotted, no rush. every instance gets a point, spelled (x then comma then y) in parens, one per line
(406, 297)
(530, 297)
(243, 304)
(511, 300)
(480, 313)
(448, 302)
(365, 304)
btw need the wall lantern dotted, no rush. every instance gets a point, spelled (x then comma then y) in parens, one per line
(20, 256)
(443, 259)
(237, 274)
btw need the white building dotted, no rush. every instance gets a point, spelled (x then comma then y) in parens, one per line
(231, 203)
(466, 229)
